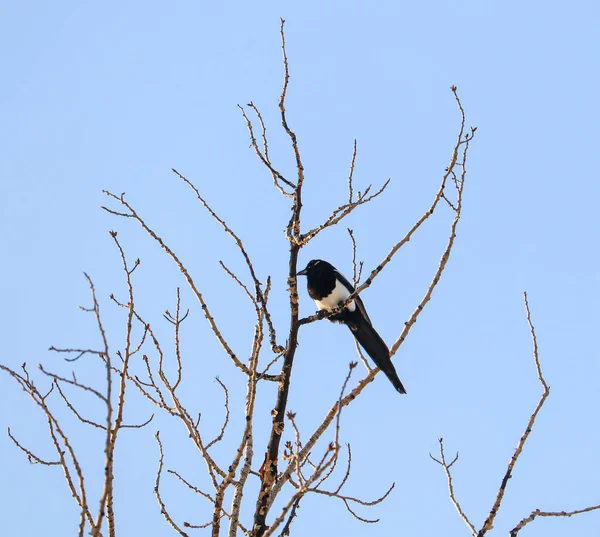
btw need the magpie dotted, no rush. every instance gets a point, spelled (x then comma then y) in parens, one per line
(329, 288)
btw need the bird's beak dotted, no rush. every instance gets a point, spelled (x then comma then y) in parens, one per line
(302, 272)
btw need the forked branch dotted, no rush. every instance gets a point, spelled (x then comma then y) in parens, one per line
(446, 466)
(489, 521)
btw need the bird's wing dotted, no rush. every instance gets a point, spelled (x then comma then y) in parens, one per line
(346, 283)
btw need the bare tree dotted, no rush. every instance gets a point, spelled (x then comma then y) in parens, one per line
(283, 471)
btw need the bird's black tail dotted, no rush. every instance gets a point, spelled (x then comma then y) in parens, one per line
(376, 348)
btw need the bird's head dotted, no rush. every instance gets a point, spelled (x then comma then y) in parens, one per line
(312, 266)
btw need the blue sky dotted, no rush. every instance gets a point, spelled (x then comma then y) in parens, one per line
(114, 95)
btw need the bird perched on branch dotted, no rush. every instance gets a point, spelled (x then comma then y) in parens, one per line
(329, 288)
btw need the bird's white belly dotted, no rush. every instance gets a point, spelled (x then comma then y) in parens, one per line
(333, 299)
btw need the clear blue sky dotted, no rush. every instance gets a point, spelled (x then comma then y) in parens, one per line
(114, 94)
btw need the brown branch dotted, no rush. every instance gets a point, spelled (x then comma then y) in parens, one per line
(192, 487)
(176, 321)
(105, 504)
(184, 271)
(537, 512)
(239, 282)
(219, 437)
(79, 492)
(341, 212)
(443, 260)
(264, 154)
(261, 312)
(246, 447)
(356, 274)
(32, 457)
(292, 233)
(351, 175)
(453, 162)
(161, 503)
(489, 521)
(327, 459)
(83, 387)
(137, 425)
(285, 532)
(74, 410)
(347, 474)
(300, 456)
(80, 352)
(141, 386)
(293, 452)
(277, 349)
(323, 476)
(446, 466)
(260, 296)
(263, 374)
(356, 268)
(106, 507)
(176, 409)
(62, 445)
(197, 526)
(348, 499)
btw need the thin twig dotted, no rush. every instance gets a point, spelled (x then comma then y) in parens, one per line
(219, 437)
(537, 512)
(446, 466)
(341, 212)
(161, 503)
(351, 175)
(264, 155)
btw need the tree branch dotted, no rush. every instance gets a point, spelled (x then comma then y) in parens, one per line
(489, 521)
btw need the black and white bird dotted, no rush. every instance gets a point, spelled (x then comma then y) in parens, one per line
(329, 288)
